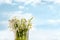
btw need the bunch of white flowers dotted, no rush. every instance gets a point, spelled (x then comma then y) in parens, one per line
(20, 27)
(20, 24)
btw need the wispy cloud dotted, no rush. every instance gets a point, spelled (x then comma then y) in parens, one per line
(47, 22)
(20, 15)
(51, 21)
(34, 2)
(6, 35)
(54, 1)
(21, 7)
(26, 2)
(44, 34)
(6, 1)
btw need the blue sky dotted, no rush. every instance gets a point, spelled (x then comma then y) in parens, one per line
(46, 22)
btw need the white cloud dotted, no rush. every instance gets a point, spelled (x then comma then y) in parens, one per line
(39, 22)
(19, 14)
(6, 1)
(21, 7)
(32, 2)
(26, 15)
(51, 21)
(48, 0)
(20, 0)
(26, 2)
(54, 1)
(6, 35)
(44, 34)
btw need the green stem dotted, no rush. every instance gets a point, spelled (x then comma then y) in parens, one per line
(21, 35)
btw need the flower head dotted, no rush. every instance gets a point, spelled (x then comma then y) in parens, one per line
(20, 24)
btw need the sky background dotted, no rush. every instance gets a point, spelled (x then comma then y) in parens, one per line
(46, 22)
